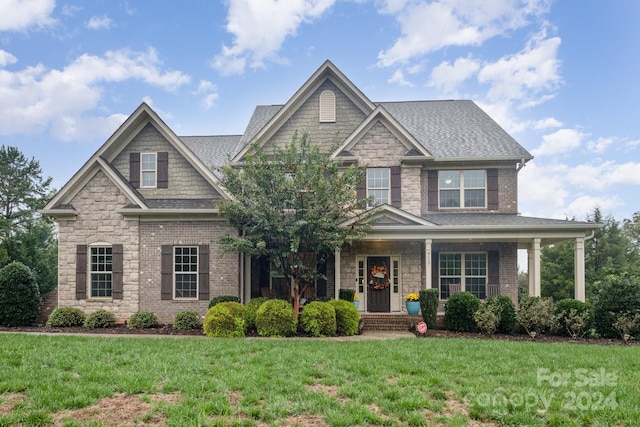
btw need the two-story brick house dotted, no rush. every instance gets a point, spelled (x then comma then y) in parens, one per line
(138, 223)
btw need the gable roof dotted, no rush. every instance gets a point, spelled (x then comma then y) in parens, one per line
(101, 159)
(327, 71)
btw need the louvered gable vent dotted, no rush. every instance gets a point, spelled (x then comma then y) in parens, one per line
(327, 106)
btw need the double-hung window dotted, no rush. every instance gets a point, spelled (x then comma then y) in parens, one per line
(101, 266)
(462, 188)
(466, 272)
(149, 169)
(185, 270)
(378, 185)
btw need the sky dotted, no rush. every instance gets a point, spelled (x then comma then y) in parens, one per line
(560, 76)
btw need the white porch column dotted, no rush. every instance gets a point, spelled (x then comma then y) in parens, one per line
(336, 290)
(534, 268)
(427, 263)
(578, 259)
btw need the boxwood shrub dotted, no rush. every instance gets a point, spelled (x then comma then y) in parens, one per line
(458, 312)
(19, 296)
(251, 309)
(100, 319)
(275, 318)
(225, 319)
(62, 317)
(346, 294)
(429, 300)
(318, 319)
(347, 317)
(186, 320)
(142, 320)
(616, 296)
(223, 298)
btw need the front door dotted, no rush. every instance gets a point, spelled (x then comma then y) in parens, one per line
(378, 284)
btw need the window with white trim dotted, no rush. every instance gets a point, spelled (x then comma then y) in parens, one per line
(101, 265)
(327, 107)
(148, 169)
(378, 185)
(462, 188)
(185, 272)
(466, 270)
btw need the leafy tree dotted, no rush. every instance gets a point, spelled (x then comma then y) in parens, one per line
(556, 277)
(289, 205)
(631, 229)
(23, 190)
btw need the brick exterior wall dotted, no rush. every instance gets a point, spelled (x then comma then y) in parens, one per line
(98, 222)
(223, 270)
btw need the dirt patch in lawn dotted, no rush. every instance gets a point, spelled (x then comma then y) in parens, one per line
(120, 410)
(8, 402)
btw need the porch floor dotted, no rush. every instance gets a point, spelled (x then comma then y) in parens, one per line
(388, 321)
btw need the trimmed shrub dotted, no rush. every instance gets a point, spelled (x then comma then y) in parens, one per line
(251, 310)
(628, 325)
(225, 319)
(142, 320)
(347, 317)
(429, 300)
(617, 295)
(458, 312)
(62, 317)
(346, 294)
(275, 318)
(573, 317)
(318, 319)
(223, 298)
(100, 319)
(19, 295)
(186, 320)
(537, 315)
(506, 311)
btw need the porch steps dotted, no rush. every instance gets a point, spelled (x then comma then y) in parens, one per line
(388, 321)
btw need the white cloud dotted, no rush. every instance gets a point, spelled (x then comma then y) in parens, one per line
(526, 76)
(560, 141)
(6, 58)
(20, 15)
(209, 91)
(36, 98)
(429, 26)
(600, 145)
(447, 76)
(99, 23)
(548, 123)
(260, 28)
(398, 78)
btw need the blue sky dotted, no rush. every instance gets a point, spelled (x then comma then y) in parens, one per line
(561, 77)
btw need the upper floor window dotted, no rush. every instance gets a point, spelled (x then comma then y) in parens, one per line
(185, 268)
(101, 267)
(378, 185)
(462, 188)
(327, 106)
(149, 169)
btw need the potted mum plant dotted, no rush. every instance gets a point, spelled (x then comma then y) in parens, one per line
(356, 301)
(412, 301)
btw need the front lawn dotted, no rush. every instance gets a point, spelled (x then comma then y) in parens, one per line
(96, 381)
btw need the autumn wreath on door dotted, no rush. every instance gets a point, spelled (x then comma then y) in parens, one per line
(379, 277)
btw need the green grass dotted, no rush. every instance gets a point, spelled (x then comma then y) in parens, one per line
(262, 382)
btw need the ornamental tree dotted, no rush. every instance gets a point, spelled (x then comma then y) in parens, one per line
(290, 205)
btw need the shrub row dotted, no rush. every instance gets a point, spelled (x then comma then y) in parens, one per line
(63, 317)
(615, 312)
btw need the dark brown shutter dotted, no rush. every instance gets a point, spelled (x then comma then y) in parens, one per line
(134, 169)
(432, 190)
(361, 189)
(492, 189)
(494, 267)
(116, 272)
(81, 272)
(163, 170)
(203, 272)
(435, 271)
(166, 273)
(396, 187)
